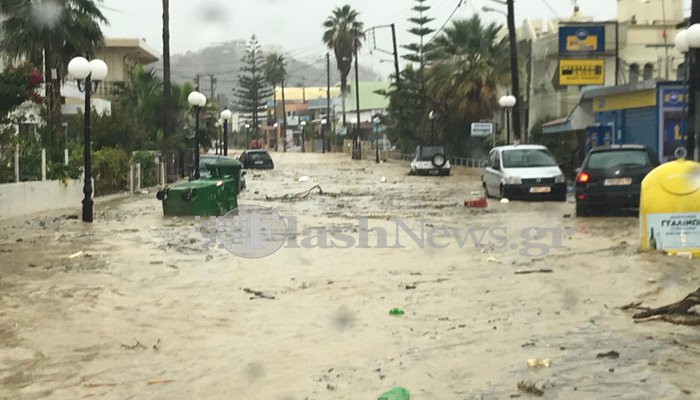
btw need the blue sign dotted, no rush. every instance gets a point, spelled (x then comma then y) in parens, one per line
(582, 39)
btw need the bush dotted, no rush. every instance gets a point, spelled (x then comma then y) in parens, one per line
(110, 170)
(147, 160)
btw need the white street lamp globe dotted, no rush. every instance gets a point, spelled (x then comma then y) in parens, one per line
(324, 121)
(247, 126)
(693, 36)
(79, 68)
(681, 41)
(226, 115)
(99, 70)
(303, 123)
(507, 101)
(193, 99)
(202, 100)
(431, 115)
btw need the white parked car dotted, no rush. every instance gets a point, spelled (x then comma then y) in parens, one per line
(523, 171)
(430, 160)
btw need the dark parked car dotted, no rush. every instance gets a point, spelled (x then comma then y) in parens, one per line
(611, 176)
(256, 159)
(204, 172)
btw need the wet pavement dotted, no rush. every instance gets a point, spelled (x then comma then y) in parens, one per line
(138, 306)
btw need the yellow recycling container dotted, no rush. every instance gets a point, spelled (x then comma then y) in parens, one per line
(669, 208)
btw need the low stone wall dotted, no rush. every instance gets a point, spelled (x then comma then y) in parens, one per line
(24, 198)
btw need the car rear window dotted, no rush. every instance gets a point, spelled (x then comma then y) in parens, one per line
(259, 156)
(528, 158)
(427, 152)
(610, 159)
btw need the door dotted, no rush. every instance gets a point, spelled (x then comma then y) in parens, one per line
(492, 174)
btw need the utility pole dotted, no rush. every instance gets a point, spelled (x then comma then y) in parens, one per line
(328, 96)
(358, 143)
(212, 82)
(396, 57)
(694, 86)
(514, 73)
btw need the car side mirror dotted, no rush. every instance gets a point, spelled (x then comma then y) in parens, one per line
(496, 166)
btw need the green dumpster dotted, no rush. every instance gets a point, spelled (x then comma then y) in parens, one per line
(214, 195)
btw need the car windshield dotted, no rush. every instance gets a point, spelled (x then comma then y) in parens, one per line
(427, 152)
(259, 156)
(611, 159)
(528, 158)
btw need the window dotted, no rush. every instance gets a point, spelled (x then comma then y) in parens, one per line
(610, 159)
(528, 158)
(634, 73)
(648, 73)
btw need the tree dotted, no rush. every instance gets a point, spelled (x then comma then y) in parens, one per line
(167, 85)
(275, 72)
(253, 89)
(419, 52)
(18, 85)
(410, 105)
(343, 33)
(470, 64)
(60, 29)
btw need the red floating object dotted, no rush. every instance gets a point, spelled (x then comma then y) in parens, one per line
(476, 203)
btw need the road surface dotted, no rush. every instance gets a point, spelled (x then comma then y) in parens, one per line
(136, 306)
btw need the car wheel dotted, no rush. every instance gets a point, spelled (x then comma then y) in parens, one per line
(411, 172)
(582, 211)
(439, 160)
(486, 190)
(561, 198)
(502, 192)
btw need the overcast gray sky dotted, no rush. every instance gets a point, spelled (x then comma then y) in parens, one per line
(296, 24)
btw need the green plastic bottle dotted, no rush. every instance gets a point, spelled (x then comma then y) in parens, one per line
(396, 311)
(397, 393)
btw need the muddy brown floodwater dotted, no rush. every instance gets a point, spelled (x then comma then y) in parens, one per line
(146, 311)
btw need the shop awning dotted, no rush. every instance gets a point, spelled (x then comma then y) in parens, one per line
(577, 120)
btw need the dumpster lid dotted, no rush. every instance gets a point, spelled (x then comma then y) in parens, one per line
(681, 177)
(223, 166)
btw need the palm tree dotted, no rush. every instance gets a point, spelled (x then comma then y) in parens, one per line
(60, 29)
(275, 72)
(462, 82)
(343, 33)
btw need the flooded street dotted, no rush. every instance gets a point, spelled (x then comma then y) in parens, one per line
(137, 306)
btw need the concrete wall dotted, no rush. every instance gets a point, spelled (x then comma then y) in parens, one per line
(24, 198)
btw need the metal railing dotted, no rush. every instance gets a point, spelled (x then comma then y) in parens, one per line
(454, 161)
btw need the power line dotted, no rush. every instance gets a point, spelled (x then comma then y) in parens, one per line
(447, 21)
(551, 9)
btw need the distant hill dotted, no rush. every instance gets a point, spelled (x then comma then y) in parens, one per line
(224, 62)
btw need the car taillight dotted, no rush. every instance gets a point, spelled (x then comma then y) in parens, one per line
(583, 177)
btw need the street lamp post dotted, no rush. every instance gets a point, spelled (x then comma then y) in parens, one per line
(514, 73)
(688, 41)
(431, 116)
(226, 116)
(376, 139)
(89, 73)
(324, 122)
(302, 124)
(507, 102)
(217, 141)
(197, 101)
